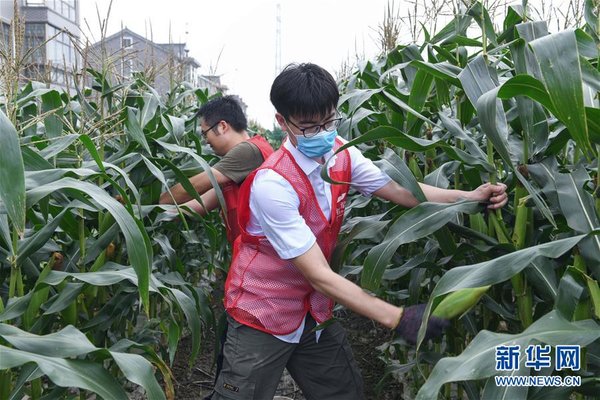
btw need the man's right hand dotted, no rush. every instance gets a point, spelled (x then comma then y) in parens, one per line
(412, 316)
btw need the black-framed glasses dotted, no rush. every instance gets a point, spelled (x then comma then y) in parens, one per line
(311, 131)
(204, 133)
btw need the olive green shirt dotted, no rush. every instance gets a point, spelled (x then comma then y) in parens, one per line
(242, 159)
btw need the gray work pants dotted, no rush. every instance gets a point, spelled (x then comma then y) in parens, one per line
(254, 361)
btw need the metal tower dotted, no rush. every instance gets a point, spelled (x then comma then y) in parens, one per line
(278, 40)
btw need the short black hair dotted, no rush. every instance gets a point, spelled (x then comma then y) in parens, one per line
(304, 91)
(226, 108)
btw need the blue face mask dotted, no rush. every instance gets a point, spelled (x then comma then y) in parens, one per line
(318, 145)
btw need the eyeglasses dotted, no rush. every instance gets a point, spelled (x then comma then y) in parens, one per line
(204, 133)
(311, 131)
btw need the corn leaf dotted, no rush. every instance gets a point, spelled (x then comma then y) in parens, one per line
(396, 168)
(151, 104)
(561, 69)
(203, 164)
(15, 307)
(401, 139)
(418, 95)
(56, 146)
(357, 98)
(12, 174)
(490, 272)
(52, 105)
(595, 295)
(416, 223)
(119, 273)
(444, 71)
(572, 292)
(577, 206)
(139, 252)
(495, 126)
(477, 361)
(496, 270)
(134, 129)
(67, 373)
(70, 342)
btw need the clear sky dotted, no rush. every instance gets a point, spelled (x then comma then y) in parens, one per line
(236, 38)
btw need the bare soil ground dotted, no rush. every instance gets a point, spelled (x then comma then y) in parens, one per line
(197, 382)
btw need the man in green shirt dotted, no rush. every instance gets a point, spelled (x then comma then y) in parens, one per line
(223, 125)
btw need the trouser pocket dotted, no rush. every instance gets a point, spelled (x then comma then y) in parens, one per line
(230, 388)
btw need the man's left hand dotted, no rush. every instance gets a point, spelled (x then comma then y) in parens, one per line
(410, 322)
(494, 195)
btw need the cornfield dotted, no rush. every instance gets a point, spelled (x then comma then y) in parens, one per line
(98, 283)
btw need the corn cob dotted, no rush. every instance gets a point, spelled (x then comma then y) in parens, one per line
(459, 302)
(413, 165)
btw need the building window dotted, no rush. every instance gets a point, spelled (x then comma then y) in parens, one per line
(35, 3)
(126, 42)
(5, 41)
(127, 68)
(35, 36)
(60, 49)
(57, 76)
(66, 8)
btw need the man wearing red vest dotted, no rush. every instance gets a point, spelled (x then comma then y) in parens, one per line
(280, 284)
(223, 126)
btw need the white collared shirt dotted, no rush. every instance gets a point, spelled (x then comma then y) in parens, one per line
(274, 205)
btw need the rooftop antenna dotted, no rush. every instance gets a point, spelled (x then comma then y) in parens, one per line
(186, 49)
(278, 40)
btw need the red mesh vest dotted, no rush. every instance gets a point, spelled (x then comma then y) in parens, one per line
(262, 290)
(231, 192)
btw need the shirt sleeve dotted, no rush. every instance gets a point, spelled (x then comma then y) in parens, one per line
(240, 161)
(274, 204)
(366, 176)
